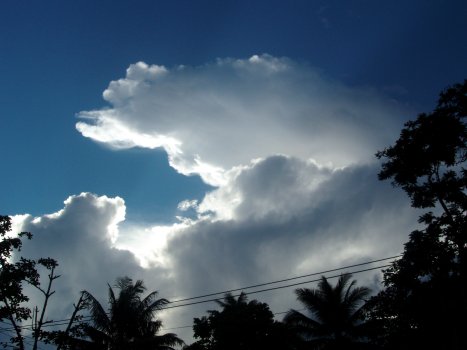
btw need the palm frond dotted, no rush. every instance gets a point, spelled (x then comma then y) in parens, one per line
(229, 300)
(112, 299)
(123, 283)
(131, 324)
(169, 339)
(343, 281)
(309, 297)
(336, 311)
(152, 303)
(325, 288)
(242, 298)
(99, 317)
(354, 297)
(302, 324)
(97, 336)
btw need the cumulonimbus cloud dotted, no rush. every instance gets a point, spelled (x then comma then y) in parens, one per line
(289, 152)
(287, 149)
(223, 114)
(293, 218)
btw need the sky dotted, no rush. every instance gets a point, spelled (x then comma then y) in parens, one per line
(209, 145)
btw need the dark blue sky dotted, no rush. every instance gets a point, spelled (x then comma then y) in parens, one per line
(57, 57)
(289, 136)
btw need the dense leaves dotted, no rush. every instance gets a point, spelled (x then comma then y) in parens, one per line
(12, 276)
(129, 323)
(426, 290)
(240, 325)
(423, 303)
(428, 160)
(14, 273)
(336, 317)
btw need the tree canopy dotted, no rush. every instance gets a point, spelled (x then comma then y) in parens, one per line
(129, 323)
(15, 271)
(422, 305)
(335, 317)
(240, 325)
(427, 287)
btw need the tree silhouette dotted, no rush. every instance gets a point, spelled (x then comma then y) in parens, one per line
(427, 288)
(15, 271)
(428, 162)
(240, 325)
(129, 323)
(336, 318)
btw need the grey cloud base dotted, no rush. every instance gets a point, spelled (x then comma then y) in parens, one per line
(348, 217)
(290, 154)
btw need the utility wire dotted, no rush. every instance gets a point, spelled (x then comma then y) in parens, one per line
(57, 323)
(272, 288)
(284, 280)
(85, 318)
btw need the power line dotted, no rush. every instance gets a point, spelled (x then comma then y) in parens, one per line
(272, 288)
(285, 280)
(172, 328)
(86, 318)
(280, 287)
(61, 322)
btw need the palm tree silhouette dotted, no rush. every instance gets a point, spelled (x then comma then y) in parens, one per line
(129, 323)
(230, 301)
(337, 319)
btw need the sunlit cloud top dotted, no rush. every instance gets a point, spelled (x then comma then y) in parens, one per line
(213, 117)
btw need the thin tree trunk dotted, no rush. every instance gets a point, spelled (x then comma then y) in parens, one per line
(47, 295)
(75, 311)
(15, 326)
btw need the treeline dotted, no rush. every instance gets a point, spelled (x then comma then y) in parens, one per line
(422, 303)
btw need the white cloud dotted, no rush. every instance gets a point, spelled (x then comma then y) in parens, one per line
(292, 218)
(224, 114)
(281, 226)
(187, 204)
(273, 186)
(149, 243)
(81, 237)
(296, 220)
(291, 155)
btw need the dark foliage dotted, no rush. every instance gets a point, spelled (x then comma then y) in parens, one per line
(425, 300)
(14, 273)
(129, 323)
(241, 325)
(335, 315)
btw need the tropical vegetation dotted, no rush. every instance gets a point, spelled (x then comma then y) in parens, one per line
(129, 322)
(422, 302)
(427, 287)
(240, 325)
(335, 315)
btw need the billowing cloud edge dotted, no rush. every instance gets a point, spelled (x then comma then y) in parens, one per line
(223, 114)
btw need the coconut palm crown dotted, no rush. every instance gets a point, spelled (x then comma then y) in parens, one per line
(129, 322)
(336, 315)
